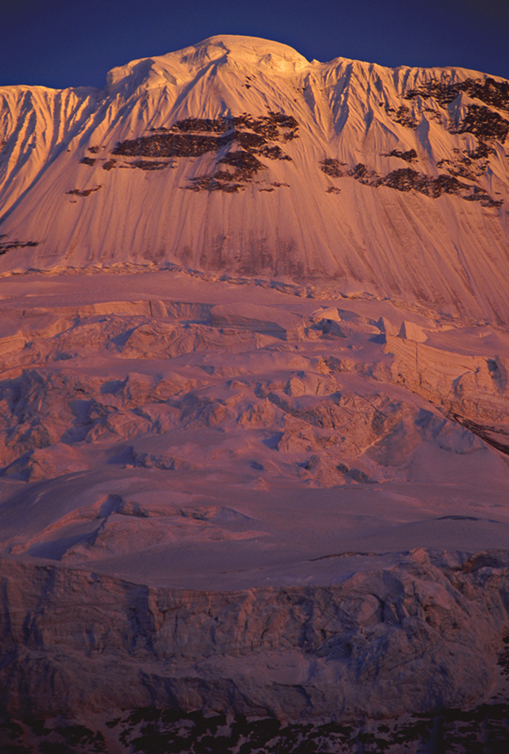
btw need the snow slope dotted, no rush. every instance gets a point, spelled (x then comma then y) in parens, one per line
(254, 367)
(238, 155)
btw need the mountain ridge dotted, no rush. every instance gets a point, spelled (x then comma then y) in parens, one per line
(216, 499)
(392, 182)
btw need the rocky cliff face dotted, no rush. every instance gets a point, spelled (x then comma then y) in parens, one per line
(239, 156)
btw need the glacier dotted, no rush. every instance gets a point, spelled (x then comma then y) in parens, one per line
(254, 429)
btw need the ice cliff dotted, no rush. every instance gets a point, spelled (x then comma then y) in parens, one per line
(253, 400)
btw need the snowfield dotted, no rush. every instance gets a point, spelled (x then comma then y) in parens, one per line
(254, 427)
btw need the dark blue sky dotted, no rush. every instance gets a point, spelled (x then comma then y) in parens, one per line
(75, 42)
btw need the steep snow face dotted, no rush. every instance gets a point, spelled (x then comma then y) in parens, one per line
(237, 156)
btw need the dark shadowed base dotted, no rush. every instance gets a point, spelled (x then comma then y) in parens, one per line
(483, 730)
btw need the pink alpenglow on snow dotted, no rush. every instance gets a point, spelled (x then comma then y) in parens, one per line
(254, 433)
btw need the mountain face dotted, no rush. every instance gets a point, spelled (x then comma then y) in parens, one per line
(237, 156)
(254, 485)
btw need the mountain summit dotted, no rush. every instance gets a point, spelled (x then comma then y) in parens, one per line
(237, 156)
(226, 50)
(232, 517)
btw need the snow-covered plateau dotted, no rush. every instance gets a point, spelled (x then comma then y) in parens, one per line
(254, 426)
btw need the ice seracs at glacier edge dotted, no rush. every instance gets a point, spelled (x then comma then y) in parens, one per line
(254, 353)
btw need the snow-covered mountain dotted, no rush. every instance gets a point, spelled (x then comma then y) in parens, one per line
(238, 156)
(262, 470)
